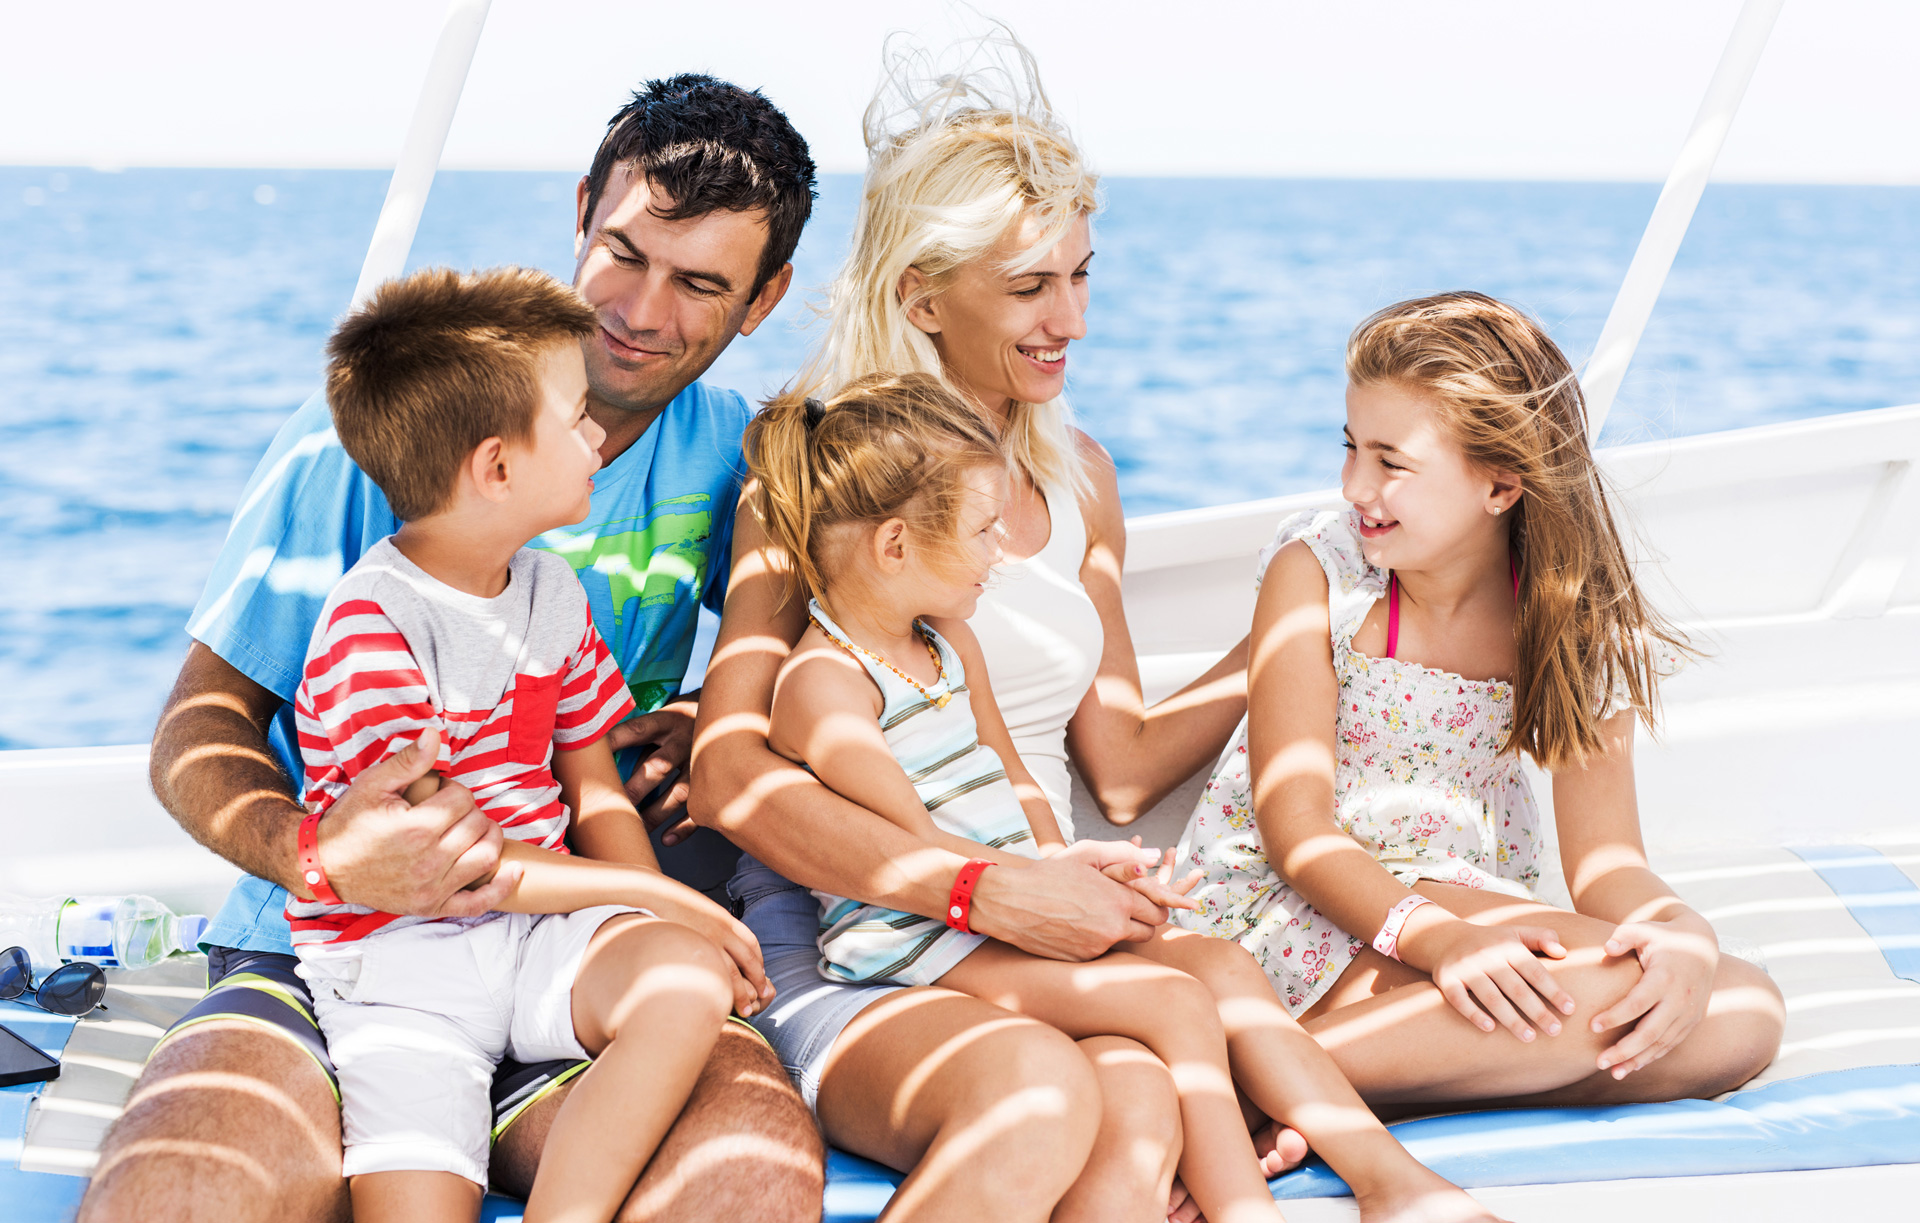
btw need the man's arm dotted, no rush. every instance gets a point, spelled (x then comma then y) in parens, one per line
(215, 773)
(1061, 907)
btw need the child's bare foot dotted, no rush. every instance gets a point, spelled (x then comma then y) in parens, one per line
(1280, 1148)
(1426, 1199)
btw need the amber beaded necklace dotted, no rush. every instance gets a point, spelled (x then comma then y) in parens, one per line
(926, 639)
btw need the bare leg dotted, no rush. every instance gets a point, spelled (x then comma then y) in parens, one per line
(1293, 1081)
(406, 1196)
(992, 1114)
(648, 1004)
(1170, 1013)
(1130, 1173)
(1399, 1042)
(743, 1147)
(228, 1122)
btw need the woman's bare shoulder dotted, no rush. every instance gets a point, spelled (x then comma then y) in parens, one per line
(1100, 499)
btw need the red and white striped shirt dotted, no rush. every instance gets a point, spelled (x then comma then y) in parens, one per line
(505, 680)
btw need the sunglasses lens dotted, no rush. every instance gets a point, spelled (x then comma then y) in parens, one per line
(73, 989)
(16, 972)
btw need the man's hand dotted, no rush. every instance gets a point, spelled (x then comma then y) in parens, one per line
(668, 732)
(1063, 907)
(380, 852)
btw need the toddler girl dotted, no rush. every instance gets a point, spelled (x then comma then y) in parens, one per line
(886, 502)
(1474, 603)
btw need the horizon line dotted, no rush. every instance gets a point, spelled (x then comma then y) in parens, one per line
(1300, 174)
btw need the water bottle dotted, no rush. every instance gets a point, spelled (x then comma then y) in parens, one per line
(111, 931)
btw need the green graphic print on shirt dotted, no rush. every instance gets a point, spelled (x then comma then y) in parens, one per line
(641, 574)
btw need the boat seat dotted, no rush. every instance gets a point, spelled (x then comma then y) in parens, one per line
(1837, 927)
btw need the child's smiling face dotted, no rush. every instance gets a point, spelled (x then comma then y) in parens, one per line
(1421, 503)
(951, 580)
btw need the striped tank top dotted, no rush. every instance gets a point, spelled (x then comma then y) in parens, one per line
(965, 788)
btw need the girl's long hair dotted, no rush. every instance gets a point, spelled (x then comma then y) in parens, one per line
(886, 446)
(961, 148)
(1508, 397)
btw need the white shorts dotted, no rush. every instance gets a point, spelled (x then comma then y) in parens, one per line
(416, 1019)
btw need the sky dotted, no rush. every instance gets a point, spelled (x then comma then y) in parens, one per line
(1504, 89)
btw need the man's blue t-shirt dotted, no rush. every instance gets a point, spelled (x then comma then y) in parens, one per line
(653, 550)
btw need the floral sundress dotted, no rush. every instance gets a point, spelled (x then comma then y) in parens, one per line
(1419, 781)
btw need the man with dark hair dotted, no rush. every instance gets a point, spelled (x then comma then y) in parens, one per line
(684, 231)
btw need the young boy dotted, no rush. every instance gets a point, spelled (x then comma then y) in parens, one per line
(464, 398)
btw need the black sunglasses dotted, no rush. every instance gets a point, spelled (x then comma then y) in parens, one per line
(71, 989)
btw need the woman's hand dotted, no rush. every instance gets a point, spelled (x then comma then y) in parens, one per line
(1678, 960)
(1062, 907)
(1492, 974)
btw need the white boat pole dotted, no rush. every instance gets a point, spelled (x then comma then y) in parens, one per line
(1674, 211)
(426, 137)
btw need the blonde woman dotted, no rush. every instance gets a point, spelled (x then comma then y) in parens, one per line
(970, 264)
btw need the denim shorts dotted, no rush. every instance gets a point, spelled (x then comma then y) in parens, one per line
(808, 1012)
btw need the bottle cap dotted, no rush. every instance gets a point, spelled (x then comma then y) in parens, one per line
(192, 926)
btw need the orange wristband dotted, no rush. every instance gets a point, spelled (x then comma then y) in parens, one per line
(314, 874)
(960, 900)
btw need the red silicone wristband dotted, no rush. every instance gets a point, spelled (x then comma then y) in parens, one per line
(311, 871)
(960, 900)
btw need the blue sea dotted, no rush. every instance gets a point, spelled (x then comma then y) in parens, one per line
(156, 326)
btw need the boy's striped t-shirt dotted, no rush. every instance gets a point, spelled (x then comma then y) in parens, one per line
(505, 680)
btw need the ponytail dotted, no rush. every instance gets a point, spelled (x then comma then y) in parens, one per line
(780, 457)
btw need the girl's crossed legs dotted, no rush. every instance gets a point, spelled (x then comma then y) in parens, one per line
(1401, 1043)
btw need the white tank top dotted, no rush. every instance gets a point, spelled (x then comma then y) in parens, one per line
(1041, 639)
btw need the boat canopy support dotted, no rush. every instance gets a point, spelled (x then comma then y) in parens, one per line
(1673, 212)
(420, 154)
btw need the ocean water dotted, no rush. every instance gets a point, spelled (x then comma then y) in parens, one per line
(156, 326)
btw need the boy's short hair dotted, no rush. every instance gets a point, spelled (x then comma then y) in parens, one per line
(438, 362)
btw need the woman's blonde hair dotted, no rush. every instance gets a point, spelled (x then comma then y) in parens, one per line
(885, 446)
(1506, 394)
(960, 150)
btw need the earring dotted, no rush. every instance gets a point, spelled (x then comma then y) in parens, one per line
(1496, 511)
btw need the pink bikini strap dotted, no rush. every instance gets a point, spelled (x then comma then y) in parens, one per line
(1393, 613)
(1393, 603)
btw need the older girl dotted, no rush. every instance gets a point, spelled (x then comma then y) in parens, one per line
(1370, 836)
